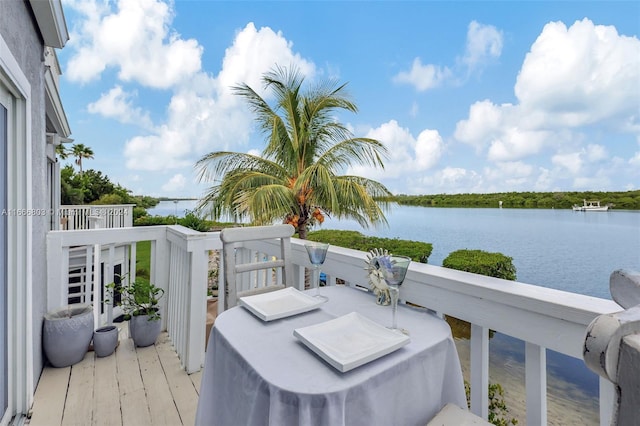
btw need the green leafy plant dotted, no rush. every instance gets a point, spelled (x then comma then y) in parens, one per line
(137, 297)
(191, 220)
(498, 411)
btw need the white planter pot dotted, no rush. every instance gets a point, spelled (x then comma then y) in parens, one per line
(144, 332)
(105, 340)
(67, 333)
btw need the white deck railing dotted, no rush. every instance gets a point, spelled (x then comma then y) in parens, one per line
(542, 317)
(179, 259)
(74, 217)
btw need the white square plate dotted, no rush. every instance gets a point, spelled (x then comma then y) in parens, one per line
(350, 341)
(280, 303)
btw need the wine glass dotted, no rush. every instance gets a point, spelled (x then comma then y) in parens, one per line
(317, 253)
(394, 269)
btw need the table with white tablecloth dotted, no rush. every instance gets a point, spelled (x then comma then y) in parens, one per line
(259, 373)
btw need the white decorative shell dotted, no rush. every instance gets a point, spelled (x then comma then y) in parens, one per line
(376, 279)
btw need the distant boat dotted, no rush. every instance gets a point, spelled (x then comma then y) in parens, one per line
(590, 206)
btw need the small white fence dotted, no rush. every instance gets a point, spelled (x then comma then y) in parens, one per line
(74, 217)
(541, 317)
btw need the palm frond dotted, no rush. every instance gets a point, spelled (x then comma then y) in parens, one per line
(363, 151)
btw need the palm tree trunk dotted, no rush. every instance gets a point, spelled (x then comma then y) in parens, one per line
(302, 230)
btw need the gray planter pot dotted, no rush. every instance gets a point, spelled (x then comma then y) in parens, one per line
(67, 333)
(105, 340)
(142, 331)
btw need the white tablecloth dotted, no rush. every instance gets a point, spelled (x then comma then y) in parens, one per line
(258, 373)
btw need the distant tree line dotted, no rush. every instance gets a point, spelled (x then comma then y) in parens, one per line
(92, 187)
(629, 200)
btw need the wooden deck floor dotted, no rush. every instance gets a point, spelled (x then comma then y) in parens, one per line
(134, 386)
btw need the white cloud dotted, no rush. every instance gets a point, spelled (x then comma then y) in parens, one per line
(483, 42)
(595, 153)
(509, 169)
(423, 77)
(407, 154)
(515, 143)
(136, 40)
(544, 181)
(576, 162)
(449, 180)
(572, 77)
(428, 149)
(117, 104)
(572, 162)
(176, 183)
(253, 53)
(581, 74)
(593, 183)
(203, 116)
(484, 123)
(635, 160)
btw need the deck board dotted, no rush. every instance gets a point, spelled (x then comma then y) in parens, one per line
(79, 403)
(106, 399)
(135, 386)
(181, 386)
(50, 397)
(161, 405)
(133, 398)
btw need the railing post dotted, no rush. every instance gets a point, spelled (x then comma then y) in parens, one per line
(479, 371)
(612, 349)
(128, 216)
(536, 384)
(222, 289)
(607, 401)
(196, 324)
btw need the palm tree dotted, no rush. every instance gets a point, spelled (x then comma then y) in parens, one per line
(80, 151)
(297, 178)
(62, 151)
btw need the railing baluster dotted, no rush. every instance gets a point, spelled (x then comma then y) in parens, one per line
(536, 383)
(479, 370)
(87, 277)
(94, 284)
(108, 278)
(182, 280)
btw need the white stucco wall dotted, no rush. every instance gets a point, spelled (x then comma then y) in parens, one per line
(20, 33)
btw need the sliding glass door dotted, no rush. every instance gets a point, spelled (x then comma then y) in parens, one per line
(4, 347)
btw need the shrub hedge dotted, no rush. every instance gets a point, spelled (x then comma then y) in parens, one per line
(481, 262)
(416, 250)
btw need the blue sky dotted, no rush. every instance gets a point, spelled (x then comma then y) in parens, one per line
(471, 96)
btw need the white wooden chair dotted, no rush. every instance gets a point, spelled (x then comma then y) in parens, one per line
(241, 270)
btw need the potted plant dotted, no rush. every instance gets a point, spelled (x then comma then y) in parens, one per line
(139, 302)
